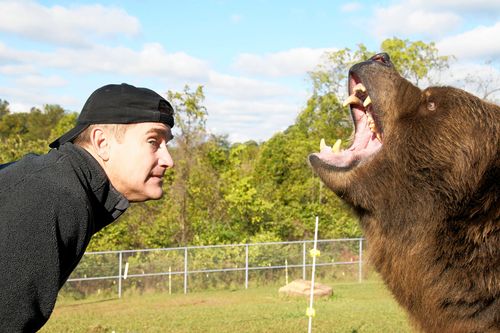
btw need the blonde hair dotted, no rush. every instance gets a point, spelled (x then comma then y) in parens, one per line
(117, 130)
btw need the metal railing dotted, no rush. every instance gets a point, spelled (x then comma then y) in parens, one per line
(118, 266)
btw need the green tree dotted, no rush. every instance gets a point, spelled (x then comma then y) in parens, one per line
(65, 123)
(415, 60)
(330, 75)
(14, 147)
(190, 119)
(40, 123)
(4, 108)
(34, 125)
(248, 210)
(14, 124)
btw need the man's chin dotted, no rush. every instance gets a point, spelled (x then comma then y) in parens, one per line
(154, 190)
(150, 195)
(158, 196)
(155, 195)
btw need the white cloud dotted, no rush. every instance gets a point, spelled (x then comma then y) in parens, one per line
(65, 25)
(24, 85)
(407, 19)
(245, 88)
(41, 80)
(292, 62)
(22, 100)
(242, 107)
(477, 6)
(244, 120)
(479, 42)
(9, 55)
(22, 69)
(248, 109)
(152, 60)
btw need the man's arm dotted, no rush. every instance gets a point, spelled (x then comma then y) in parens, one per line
(29, 263)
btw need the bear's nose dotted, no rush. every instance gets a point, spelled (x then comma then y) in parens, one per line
(382, 57)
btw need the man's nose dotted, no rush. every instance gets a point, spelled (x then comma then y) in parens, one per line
(165, 159)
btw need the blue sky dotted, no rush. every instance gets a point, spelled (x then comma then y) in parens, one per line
(252, 57)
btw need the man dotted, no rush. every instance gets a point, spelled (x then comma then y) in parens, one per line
(52, 204)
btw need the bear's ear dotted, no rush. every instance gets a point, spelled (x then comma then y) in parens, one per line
(428, 103)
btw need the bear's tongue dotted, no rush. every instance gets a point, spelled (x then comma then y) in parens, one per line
(367, 138)
(365, 144)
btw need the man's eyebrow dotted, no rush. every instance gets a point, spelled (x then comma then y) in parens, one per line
(167, 134)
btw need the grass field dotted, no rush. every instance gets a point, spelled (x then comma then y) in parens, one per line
(354, 307)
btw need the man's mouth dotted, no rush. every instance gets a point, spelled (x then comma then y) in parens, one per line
(156, 176)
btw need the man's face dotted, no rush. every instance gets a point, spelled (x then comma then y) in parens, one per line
(138, 161)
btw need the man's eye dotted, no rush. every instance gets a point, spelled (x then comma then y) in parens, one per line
(153, 143)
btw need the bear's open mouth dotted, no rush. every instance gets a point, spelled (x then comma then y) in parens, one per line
(368, 134)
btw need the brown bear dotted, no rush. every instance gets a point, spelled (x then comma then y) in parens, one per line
(423, 175)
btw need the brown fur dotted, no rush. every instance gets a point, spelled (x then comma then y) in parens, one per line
(429, 200)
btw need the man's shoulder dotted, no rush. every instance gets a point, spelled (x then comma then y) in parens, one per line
(41, 176)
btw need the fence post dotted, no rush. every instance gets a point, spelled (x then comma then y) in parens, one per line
(185, 269)
(304, 260)
(360, 260)
(246, 266)
(170, 280)
(286, 271)
(120, 274)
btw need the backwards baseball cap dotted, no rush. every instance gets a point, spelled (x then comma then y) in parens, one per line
(120, 104)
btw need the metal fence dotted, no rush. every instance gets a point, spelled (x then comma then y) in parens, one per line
(200, 267)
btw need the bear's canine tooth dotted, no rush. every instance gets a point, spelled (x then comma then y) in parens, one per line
(359, 87)
(369, 118)
(336, 146)
(322, 145)
(371, 123)
(367, 101)
(353, 99)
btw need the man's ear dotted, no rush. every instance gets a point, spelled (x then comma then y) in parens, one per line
(100, 142)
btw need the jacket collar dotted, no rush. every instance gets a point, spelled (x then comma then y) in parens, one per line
(109, 202)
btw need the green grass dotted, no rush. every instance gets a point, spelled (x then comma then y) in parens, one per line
(364, 307)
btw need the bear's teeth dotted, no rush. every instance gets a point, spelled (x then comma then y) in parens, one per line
(323, 146)
(368, 101)
(369, 117)
(353, 99)
(359, 87)
(334, 149)
(373, 126)
(371, 123)
(336, 146)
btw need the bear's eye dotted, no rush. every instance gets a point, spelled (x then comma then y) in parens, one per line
(431, 106)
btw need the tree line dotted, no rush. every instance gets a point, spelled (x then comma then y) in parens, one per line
(221, 192)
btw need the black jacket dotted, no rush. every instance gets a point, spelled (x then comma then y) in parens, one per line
(50, 206)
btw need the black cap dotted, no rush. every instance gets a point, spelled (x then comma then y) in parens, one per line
(120, 104)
